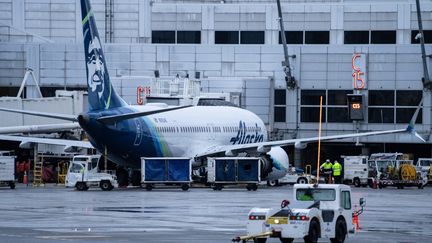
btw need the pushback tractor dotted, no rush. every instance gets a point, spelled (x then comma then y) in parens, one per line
(317, 211)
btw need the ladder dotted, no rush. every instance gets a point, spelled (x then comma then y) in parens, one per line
(38, 172)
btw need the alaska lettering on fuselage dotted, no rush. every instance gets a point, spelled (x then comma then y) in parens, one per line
(243, 137)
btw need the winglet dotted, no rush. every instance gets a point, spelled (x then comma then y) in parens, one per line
(410, 127)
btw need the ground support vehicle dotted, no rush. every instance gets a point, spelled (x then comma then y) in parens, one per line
(234, 170)
(294, 176)
(390, 170)
(317, 211)
(166, 171)
(83, 173)
(7, 170)
(355, 170)
(424, 166)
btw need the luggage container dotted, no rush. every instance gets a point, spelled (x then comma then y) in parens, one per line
(234, 170)
(166, 171)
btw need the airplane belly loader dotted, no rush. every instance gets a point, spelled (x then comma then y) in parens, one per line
(7, 171)
(317, 211)
(83, 173)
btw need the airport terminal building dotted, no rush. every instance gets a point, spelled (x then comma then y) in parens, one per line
(366, 50)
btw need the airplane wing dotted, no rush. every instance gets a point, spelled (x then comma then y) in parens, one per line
(67, 143)
(66, 117)
(263, 147)
(39, 128)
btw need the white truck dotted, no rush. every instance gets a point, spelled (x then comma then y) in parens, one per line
(83, 173)
(424, 166)
(7, 169)
(355, 170)
(317, 211)
(293, 177)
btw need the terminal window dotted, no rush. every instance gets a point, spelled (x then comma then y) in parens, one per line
(292, 37)
(389, 106)
(251, 37)
(162, 36)
(280, 105)
(189, 37)
(337, 106)
(427, 36)
(226, 37)
(310, 101)
(356, 37)
(406, 104)
(383, 37)
(317, 37)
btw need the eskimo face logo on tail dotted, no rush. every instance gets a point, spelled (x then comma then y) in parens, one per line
(95, 67)
(243, 137)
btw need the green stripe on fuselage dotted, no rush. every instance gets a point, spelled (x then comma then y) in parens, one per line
(86, 18)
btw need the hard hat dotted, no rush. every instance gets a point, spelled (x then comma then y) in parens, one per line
(327, 160)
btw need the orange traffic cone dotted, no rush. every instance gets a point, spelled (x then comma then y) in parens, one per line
(356, 221)
(25, 179)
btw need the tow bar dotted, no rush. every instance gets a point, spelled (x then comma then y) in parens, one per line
(247, 238)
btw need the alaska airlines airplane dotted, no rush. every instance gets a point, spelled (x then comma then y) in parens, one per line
(128, 133)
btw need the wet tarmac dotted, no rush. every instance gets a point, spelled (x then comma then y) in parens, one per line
(57, 214)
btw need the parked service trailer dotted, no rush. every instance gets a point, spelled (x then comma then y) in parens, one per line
(166, 171)
(7, 171)
(234, 170)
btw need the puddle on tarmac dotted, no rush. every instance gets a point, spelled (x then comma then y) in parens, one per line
(128, 209)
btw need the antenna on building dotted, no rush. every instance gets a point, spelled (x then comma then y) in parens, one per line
(289, 79)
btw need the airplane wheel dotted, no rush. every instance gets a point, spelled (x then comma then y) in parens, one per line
(122, 177)
(136, 178)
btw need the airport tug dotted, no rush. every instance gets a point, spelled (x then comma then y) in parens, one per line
(317, 211)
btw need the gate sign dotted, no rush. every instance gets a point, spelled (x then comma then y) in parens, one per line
(359, 70)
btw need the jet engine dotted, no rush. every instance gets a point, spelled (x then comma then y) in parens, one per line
(274, 164)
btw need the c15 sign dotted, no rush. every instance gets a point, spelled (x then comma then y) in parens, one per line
(359, 70)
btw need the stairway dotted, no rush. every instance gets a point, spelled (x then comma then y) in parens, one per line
(37, 173)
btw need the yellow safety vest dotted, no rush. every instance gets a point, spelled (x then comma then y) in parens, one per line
(337, 168)
(327, 166)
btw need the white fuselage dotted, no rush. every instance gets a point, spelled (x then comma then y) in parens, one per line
(194, 130)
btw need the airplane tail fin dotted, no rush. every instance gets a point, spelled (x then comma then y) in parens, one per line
(410, 127)
(101, 95)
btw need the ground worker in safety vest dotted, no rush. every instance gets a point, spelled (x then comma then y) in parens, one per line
(326, 168)
(337, 170)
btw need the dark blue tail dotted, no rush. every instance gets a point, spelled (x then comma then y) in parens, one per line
(101, 95)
